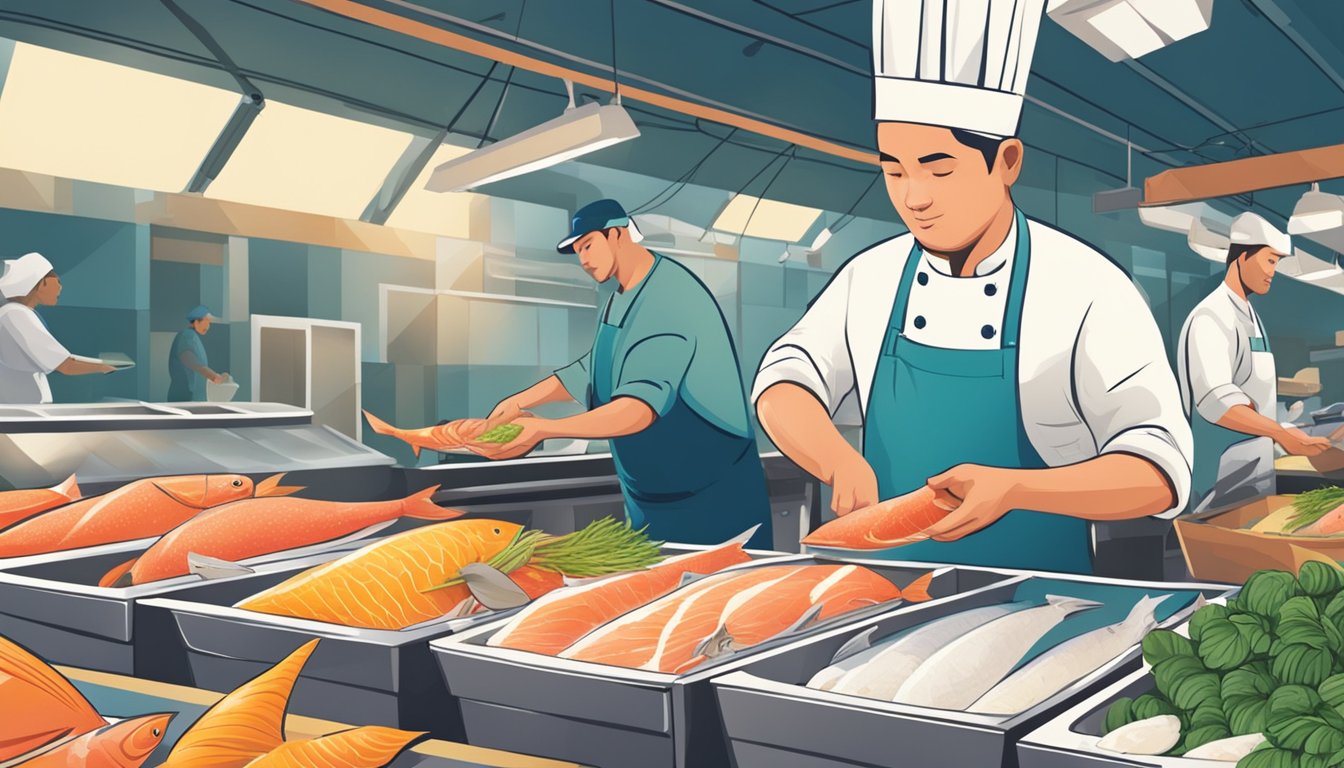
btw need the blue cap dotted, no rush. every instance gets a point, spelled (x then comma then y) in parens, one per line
(593, 217)
(200, 313)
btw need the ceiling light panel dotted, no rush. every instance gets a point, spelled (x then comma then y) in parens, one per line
(434, 212)
(766, 219)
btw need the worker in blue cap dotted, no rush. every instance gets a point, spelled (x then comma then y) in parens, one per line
(188, 365)
(662, 383)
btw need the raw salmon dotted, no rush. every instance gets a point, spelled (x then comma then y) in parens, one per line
(17, 506)
(731, 611)
(556, 621)
(367, 747)
(125, 744)
(39, 706)
(1329, 524)
(138, 510)
(444, 437)
(412, 577)
(889, 524)
(256, 527)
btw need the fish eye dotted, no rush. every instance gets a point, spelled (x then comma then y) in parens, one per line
(156, 731)
(237, 483)
(498, 531)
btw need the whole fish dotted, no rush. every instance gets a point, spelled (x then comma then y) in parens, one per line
(414, 577)
(1068, 662)
(124, 744)
(138, 510)
(891, 523)
(444, 437)
(17, 506)
(880, 671)
(216, 539)
(247, 728)
(964, 669)
(39, 706)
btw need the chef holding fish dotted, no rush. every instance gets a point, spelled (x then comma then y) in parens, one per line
(661, 382)
(1005, 365)
(28, 351)
(1228, 382)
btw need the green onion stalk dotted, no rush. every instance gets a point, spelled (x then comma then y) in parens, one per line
(1313, 505)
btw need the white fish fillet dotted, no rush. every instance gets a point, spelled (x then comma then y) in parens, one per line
(879, 672)
(963, 670)
(1072, 660)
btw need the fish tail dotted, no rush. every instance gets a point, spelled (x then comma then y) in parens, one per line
(69, 488)
(119, 576)
(421, 506)
(370, 746)
(381, 427)
(917, 591)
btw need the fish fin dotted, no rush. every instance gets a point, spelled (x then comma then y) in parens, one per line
(717, 644)
(369, 746)
(1145, 609)
(917, 591)
(69, 488)
(1071, 604)
(421, 507)
(808, 618)
(208, 567)
(189, 490)
(492, 587)
(21, 664)
(689, 577)
(855, 645)
(381, 427)
(415, 450)
(271, 487)
(742, 538)
(245, 724)
(119, 576)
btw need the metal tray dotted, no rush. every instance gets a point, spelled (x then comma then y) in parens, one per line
(371, 676)
(772, 719)
(614, 717)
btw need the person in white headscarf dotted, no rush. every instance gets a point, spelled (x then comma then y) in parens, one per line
(1008, 366)
(28, 351)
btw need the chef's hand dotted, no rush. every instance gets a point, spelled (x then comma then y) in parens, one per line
(534, 431)
(853, 485)
(986, 494)
(1299, 443)
(506, 412)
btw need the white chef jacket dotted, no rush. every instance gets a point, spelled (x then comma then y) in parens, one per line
(1093, 372)
(1214, 355)
(28, 352)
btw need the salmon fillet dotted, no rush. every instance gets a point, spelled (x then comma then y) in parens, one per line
(891, 523)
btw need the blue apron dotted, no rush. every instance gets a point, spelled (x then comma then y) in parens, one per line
(688, 481)
(932, 408)
(185, 384)
(1212, 443)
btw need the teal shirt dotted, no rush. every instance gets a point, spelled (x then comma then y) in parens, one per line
(185, 383)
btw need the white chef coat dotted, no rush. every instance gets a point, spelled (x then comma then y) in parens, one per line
(1093, 372)
(951, 312)
(28, 352)
(1214, 358)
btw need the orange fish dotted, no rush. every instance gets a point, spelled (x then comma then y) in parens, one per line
(246, 728)
(138, 510)
(444, 437)
(891, 523)
(125, 744)
(39, 706)
(256, 527)
(17, 506)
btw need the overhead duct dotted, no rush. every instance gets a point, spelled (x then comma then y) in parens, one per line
(1128, 29)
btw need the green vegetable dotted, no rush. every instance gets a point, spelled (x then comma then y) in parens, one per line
(1265, 591)
(1255, 630)
(1163, 644)
(1319, 579)
(1201, 735)
(1223, 647)
(1118, 715)
(1313, 505)
(1271, 758)
(504, 433)
(1247, 715)
(1332, 692)
(1301, 664)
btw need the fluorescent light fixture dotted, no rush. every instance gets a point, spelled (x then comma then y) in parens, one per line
(1128, 29)
(299, 160)
(1179, 218)
(766, 219)
(425, 211)
(1317, 211)
(80, 118)
(577, 132)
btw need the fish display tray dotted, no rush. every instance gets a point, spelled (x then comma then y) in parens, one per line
(614, 717)
(772, 719)
(52, 603)
(369, 676)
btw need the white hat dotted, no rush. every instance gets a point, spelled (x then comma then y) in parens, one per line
(22, 275)
(955, 63)
(1252, 229)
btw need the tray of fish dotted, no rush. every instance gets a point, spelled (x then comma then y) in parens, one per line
(617, 673)
(949, 685)
(376, 607)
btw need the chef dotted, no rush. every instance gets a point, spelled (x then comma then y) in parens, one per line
(188, 365)
(663, 384)
(1009, 366)
(1228, 381)
(28, 351)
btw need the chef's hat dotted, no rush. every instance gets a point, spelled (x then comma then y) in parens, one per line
(955, 63)
(21, 275)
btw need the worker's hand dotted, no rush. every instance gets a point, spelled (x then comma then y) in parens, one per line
(534, 431)
(986, 495)
(1299, 443)
(853, 484)
(506, 412)
(216, 378)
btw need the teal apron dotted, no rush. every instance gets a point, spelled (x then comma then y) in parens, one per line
(687, 480)
(1212, 444)
(932, 408)
(185, 384)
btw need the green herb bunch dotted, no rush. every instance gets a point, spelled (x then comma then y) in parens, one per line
(1271, 661)
(504, 433)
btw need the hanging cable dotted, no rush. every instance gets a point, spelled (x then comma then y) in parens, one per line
(615, 78)
(682, 180)
(768, 184)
